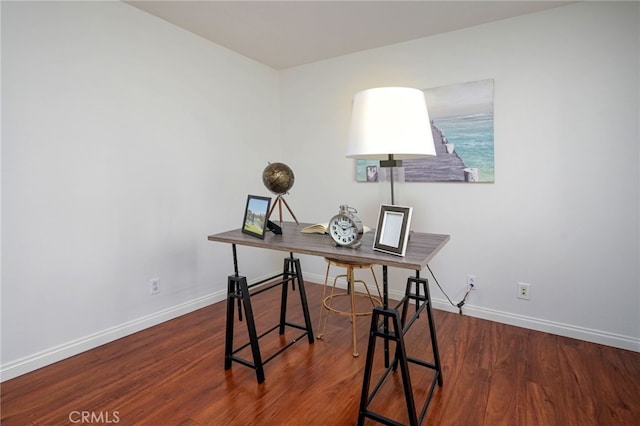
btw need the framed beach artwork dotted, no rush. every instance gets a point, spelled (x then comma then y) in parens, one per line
(462, 124)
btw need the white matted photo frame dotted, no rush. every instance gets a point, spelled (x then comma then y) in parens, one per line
(392, 232)
(255, 215)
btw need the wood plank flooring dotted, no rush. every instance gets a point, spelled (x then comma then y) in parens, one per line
(173, 374)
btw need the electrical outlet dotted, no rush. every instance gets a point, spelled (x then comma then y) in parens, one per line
(524, 291)
(154, 285)
(472, 282)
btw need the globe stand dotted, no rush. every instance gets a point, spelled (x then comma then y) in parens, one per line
(279, 201)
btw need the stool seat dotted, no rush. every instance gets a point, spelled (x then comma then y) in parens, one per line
(327, 306)
(347, 263)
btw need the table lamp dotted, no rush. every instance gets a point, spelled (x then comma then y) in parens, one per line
(390, 124)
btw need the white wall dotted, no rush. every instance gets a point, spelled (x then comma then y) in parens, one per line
(562, 214)
(125, 142)
(122, 137)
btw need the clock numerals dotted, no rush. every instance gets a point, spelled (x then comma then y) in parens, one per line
(344, 230)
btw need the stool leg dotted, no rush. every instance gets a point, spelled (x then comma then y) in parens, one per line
(369, 295)
(322, 307)
(330, 297)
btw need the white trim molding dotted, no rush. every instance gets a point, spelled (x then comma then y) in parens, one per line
(539, 324)
(531, 323)
(42, 359)
(69, 349)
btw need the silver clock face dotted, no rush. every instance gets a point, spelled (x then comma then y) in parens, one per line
(343, 230)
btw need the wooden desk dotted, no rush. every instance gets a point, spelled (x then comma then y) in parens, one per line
(421, 249)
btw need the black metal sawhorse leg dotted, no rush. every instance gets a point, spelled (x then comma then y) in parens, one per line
(292, 269)
(241, 292)
(391, 331)
(238, 290)
(428, 306)
(392, 327)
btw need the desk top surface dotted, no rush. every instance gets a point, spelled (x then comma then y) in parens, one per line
(421, 248)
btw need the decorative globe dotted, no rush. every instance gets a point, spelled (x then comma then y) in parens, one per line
(278, 178)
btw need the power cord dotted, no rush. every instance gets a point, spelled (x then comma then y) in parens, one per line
(458, 305)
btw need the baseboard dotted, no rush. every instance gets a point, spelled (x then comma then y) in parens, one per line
(58, 353)
(531, 323)
(539, 324)
(69, 349)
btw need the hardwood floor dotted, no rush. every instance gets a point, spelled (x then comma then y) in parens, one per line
(173, 374)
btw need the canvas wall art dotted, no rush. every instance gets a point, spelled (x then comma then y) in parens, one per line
(462, 125)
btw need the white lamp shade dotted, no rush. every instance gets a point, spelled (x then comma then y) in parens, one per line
(390, 120)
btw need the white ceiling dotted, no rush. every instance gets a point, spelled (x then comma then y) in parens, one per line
(283, 34)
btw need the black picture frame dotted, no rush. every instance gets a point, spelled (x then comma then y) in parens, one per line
(255, 216)
(392, 232)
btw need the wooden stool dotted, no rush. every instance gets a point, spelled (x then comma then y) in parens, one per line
(327, 301)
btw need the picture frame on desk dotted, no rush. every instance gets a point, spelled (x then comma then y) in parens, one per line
(255, 216)
(392, 232)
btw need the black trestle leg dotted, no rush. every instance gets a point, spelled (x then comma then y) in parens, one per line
(395, 334)
(293, 265)
(232, 286)
(238, 290)
(286, 275)
(432, 330)
(251, 327)
(393, 328)
(368, 366)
